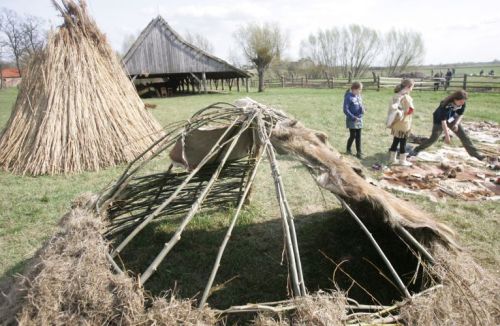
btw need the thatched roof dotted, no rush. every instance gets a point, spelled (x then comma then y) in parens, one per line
(160, 51)
(76, 109)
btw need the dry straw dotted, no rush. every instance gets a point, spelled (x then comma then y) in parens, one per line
(70, 282)
(76, 109)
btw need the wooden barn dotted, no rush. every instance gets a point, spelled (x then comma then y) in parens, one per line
(161, 62)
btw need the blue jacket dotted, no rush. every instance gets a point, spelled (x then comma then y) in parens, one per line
(353, 106)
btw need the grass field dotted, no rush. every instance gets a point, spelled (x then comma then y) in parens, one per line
(31, 207)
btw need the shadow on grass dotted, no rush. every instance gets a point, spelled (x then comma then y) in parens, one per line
(381, 158)
(251, 269)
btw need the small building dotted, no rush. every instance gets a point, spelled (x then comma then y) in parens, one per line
(161, 62)
(10, 77)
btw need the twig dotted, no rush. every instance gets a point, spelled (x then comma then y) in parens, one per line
(229, 232)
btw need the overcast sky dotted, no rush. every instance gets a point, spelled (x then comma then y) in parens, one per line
(453, 31)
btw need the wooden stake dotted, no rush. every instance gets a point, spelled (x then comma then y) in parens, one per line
(408, 236)
(194, 208)
(141, 226)
(291, 253)
(215, 268)
(400, 283)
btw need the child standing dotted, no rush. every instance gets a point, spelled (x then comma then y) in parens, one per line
(399, 119)
(353, 110)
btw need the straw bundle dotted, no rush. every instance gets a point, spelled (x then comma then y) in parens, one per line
(70, 282)
(76, 109)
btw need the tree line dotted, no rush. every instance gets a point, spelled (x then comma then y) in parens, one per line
(336, 52)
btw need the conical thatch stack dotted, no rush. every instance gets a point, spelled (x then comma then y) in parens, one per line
(76, 109)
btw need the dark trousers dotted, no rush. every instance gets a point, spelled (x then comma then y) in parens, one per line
(354, 134)
(402, 145)
(437, 130)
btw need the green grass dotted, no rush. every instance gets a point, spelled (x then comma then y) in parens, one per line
(30, 208)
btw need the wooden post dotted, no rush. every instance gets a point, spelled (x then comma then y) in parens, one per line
(465, 82)
(222, 84)
(238, 84)
(204, 82)
(398, 280)
(246, 84)
(349, 80)
(282, 81)
(302, 82)
(378, 83)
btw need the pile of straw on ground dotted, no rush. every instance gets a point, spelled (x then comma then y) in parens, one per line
(76, 109)
(70, 282)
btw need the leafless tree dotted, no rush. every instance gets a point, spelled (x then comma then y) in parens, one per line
(34, 38)
(127, 43)
(13, 36)
(360, 47)
(21, 36)
(234, 57)
(351, 49)
(199, 41)
(402, 49)
(323, 49)
(261, 44)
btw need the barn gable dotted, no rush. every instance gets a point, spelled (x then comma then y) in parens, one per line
(160, 51)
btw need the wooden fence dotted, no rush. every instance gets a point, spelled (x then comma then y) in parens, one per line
(469, 83)
(304, 82)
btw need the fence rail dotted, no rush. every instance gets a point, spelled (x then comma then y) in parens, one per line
(469, 83)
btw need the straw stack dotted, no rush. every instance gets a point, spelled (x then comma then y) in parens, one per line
(76, 109)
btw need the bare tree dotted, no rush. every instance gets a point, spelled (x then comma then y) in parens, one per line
(345, 50)
(14, 39)
(127, 43)
(261, 44)
(403, 48)
(234, 57)
(199, 41)
(323, 49)
(34, 37)
(360, 47)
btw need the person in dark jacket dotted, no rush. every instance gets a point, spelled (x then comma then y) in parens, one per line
(447, 116)
(353, 110)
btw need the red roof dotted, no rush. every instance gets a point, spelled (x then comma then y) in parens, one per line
(10, 73)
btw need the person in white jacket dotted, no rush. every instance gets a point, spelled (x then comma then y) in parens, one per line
(399, 119)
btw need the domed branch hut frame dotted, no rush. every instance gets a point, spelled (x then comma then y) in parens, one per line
(215, 158)
(78, 276)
